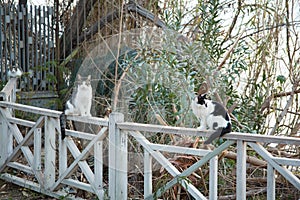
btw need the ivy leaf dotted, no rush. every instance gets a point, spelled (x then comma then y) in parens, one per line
(281, 79)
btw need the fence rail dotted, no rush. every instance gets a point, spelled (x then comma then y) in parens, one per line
(51, 162)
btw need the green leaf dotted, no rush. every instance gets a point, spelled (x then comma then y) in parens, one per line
(281, 79)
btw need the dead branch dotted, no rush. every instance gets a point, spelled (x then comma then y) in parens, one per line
(284, 112)
(249, 159)
(248, 194)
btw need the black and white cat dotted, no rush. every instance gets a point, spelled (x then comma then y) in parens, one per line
(81, 102)
(14, 72)
(212, 115)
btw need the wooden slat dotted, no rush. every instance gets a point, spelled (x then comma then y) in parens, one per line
(22, 141)
(80, 135)
(89, 120)
(78, 184)
(9, 91)
(147, 173)
(37, 159)
(50, 151)
(269, 158)
(21, 167)
(271, 183)
(31, 109)
(83, 164)
(178, 149)
(98, 166)
(117, 158)
(22, 122)
(169, 167)
(193, 168)
(241, 170)
(72, 167)
(213, 178)
(287, 161)
(194, 132)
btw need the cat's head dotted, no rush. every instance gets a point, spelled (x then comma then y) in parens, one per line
(201, 99)
(82, 82)
(202, 96)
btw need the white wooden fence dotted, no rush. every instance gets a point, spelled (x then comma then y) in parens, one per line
(49, 162)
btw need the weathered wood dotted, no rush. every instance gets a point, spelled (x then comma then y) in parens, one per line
(83, 164)
(241, 170)
(37, 160)
(213, 178)
(21, 167)
(117, 158)
(118, 155)
(8, 93)
(6, 142)
(79, 158)
(177, 149)
(89, 120)
(22, 122)
(271, 183)
(194, 167)
(194, 132)
(80, 135)
(31, 109)
(78, 184)
(21, 142)
(147, 173)
(98, 171)
(287, 161)
(169, 167)
(50, 151)
(282, 170)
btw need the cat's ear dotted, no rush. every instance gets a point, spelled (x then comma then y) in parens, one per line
(79, 77)
(203, 88)
(89, 77)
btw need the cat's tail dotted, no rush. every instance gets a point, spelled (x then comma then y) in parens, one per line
(70, 108)
(218, 133)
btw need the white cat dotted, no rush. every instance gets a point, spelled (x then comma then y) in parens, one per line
(212, 116)
(82, 102)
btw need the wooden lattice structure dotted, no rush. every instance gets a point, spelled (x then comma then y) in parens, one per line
(49, 163)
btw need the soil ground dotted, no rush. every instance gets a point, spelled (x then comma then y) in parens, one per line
(9, 191)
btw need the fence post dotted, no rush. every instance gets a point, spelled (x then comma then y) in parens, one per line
(117, 158)
(6, 140)
(213, 178)
(147, 174)
(50, 151)
(241, 170)
(271, 183)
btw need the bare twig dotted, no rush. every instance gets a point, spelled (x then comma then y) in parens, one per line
(285, 110)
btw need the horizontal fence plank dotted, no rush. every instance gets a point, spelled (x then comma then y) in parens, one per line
(31, 109)
(177, 149)
(80, 135)
(54, 113)
(78, 184)
(89, 120)
(22, 122)
(287, 161)
(20, 167)
(129, 126)
(165, 163)
(282, 170)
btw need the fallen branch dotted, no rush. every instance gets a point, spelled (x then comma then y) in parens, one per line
(248, 194)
